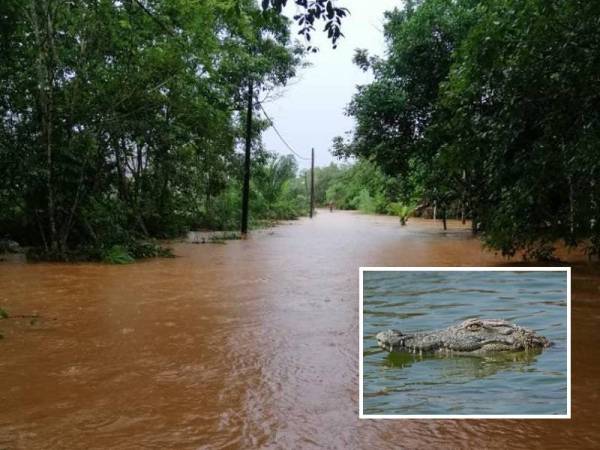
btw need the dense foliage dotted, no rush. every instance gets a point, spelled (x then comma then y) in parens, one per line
(495, 104)
(121, 120)
(361, 186)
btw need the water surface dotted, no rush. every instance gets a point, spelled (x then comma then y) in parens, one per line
(520, 383)
(252, 344)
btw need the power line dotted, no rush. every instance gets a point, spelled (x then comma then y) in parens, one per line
(311, 159)
(178, 39)
(279, 134)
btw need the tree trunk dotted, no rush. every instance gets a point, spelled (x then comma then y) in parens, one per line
(463, 199)
(45, 77)
(444, 218)
(592, 204)
(246, 186)
(123, 190)
(571, 210)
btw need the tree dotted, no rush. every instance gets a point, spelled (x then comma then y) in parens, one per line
(495, 105)
(521, 113)
(120, 120)
(312, 12)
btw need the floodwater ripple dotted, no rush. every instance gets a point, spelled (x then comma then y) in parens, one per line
(252, 344)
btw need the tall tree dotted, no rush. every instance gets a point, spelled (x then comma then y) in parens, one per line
(494, 105)
(121, 120)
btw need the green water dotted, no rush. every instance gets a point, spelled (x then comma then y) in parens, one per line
(515, 383)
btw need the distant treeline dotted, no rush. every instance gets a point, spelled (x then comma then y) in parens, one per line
(363, 186)
(493, 104)
(122, 121)
(359, 186)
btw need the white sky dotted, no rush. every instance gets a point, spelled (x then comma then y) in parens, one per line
(309, 112)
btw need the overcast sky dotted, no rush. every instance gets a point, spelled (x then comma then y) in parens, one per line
(309, 112)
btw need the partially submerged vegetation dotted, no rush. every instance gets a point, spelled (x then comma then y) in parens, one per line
(360, 186)
(120, 122)
(493, 107)
(363, 186)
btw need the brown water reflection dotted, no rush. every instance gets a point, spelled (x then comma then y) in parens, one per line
(249, 344)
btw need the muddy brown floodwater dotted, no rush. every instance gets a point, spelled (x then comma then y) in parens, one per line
(249, 344)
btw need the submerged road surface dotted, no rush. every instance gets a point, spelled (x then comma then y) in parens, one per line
(244, 345)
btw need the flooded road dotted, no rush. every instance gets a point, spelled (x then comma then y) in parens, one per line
(249, 344)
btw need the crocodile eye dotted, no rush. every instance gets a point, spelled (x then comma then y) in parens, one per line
(474, 326)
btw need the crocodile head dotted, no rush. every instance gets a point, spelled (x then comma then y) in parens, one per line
(471, 336)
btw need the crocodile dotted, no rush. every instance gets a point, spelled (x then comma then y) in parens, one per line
(473, 336)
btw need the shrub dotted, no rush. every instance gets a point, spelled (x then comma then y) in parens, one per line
(117, 254)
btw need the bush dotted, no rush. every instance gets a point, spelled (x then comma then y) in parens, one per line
(144, 249)
(401, 210)
(126, 254)
(117, 254)
(364, 202)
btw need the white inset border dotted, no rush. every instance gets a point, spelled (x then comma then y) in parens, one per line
(361, 413)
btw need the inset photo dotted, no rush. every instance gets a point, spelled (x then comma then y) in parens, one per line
(455, 343)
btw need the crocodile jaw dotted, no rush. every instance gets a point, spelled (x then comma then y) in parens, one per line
(472, 336)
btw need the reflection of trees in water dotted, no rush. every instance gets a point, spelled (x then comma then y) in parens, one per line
(453, 368)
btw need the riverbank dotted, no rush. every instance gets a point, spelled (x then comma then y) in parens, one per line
(249, 344)
(135, 250)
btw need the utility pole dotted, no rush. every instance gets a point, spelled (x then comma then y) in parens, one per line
(312, 182)
(246, 188)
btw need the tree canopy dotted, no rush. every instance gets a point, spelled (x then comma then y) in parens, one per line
(311, 12)
(120, 120)
(494, 104)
